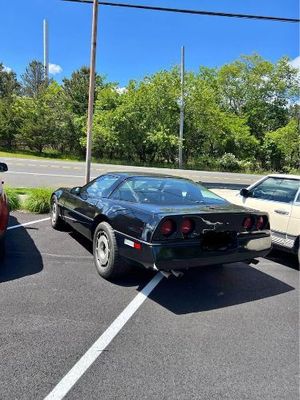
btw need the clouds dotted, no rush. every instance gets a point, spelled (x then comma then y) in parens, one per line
(296, 63)
(6, 69)
(121, 90)
(55, 69)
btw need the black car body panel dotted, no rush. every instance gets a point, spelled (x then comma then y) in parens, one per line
(218, 234)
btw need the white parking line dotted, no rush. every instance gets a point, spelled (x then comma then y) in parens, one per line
(69, 380)
(28, 223)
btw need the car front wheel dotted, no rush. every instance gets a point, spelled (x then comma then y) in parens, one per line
(106, 255)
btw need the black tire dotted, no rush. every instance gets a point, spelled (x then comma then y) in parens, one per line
(56, 221)
(299, 254)
(108, 263)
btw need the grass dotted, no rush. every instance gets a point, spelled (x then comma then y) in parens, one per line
(38, 200)
(47, 155)
(14, 201)
(35, 200)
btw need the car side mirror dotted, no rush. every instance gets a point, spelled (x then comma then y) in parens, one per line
(3, 167)
(76, 190)
(244, 192)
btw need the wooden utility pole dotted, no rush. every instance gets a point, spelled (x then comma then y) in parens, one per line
(91, 92)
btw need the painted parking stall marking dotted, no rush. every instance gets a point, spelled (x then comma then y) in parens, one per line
(28, 223)
(69, 380)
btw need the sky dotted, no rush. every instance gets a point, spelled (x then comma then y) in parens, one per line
(136, 43)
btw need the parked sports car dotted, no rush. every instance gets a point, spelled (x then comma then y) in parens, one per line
(3, 211)
(278, 195)
(160, 222)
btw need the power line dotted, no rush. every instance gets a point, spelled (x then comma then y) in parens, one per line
(190, 11)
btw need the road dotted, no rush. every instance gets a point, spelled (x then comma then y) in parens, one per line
(34, 173)
(227, 332)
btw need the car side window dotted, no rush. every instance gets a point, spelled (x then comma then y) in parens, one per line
(298, 198)
(101, 186)
(125, 192)
(276, 189)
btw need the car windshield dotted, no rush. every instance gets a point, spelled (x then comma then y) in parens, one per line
(165, 191)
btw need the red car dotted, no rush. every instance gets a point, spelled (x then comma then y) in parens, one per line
(4, 213)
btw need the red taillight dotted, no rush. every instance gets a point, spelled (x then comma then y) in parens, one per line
(187, 226)
(168, 227)
(248, 223)
(137, 246)
(260, 223)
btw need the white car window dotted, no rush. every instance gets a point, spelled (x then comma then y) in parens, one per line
(276, 189)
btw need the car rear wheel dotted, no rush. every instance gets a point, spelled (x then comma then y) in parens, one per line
(56, 220)
(108, 262)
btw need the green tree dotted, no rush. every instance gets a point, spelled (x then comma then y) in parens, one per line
(210, 131)
(9, 85)
(258, 90)
(46, 121)
(130, 120)
(9, 119)
(34, 79)
(282, 147)
(77, 89)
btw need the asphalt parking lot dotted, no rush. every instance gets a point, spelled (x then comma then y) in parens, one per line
(226, 332)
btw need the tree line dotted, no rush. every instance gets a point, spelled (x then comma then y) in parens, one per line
(243, 116)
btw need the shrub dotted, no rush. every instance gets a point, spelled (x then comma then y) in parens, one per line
(38, 200)
(204, 163)
(13, 199)
(229, 162)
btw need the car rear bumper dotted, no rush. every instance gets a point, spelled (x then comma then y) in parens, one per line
(186, 255)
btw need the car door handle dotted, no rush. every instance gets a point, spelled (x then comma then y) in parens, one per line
(282, 212)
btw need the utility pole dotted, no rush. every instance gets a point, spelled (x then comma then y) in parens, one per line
(182, 105)
(46, 51)
(91, 92)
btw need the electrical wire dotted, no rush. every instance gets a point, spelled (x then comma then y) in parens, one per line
(190, 11)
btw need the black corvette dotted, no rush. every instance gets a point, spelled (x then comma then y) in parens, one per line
(160, 222)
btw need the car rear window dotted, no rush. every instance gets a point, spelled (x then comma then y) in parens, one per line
(165, 191)
(276, 189)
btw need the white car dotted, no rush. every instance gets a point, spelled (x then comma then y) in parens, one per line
(279, 195)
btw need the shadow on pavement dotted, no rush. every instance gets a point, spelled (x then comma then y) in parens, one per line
(283, 258)
(22, 258)
(212, 288)
(137, 276)
(82, 240)
(205, 288)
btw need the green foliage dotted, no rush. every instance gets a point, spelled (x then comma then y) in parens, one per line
(13, 199)
(77, 90)
(282, 147)
(242, 116)
(229, 162)
(10, 121)
(34, 79)
(38, 200)
(9, 85)
(258, 90)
